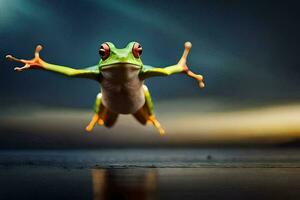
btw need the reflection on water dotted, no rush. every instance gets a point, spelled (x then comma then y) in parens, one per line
(151, 174)
(220, 183)
(132, 184)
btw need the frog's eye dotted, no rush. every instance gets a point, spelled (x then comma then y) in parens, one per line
(104, 51)
(137, 50)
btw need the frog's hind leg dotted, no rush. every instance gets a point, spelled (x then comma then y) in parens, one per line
(146, 114)
(102, 115)
(109, 118)
(97, 115)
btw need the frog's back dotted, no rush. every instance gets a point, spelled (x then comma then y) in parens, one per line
(122, 89)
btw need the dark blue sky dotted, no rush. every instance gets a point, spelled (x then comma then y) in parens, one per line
(247, 50)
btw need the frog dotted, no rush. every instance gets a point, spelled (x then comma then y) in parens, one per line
(121, 75)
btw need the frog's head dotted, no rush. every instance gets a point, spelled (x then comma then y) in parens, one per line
(113, 57)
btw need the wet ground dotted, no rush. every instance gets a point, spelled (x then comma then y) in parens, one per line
(151, 174)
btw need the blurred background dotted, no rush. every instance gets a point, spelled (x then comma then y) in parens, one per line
(246, 50)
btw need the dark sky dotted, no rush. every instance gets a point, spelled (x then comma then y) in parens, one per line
(246, 50)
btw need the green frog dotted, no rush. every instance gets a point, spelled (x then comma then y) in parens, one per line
(121, 74)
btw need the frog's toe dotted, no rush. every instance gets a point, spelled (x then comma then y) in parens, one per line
(161, 131)
(100, 122)
(92, 123)
(156, 124)
(89, 128)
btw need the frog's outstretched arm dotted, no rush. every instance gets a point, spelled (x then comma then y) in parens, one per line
(38, 63)
(180, 67)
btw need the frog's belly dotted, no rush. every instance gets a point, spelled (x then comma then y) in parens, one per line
(123, 98)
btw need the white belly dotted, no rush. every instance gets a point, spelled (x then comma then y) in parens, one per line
(122, 90)
(123, 100)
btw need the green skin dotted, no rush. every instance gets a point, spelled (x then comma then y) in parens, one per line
(119, 63)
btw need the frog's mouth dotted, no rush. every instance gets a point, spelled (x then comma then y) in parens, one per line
(120, 72)
(121, 65)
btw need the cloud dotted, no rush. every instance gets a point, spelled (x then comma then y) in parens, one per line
(11, 11)
(65, 128)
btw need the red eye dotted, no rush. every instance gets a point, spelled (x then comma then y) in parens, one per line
(137, 50)
(104, 51)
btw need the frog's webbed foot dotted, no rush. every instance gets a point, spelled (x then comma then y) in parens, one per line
(35, 62)
(157, 125)
(182, 62)
(92, 123)
(100, 122)
(95, 119)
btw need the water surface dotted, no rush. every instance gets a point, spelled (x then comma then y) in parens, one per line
(150, 174)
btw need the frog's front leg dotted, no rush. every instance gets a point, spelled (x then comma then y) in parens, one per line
(187, 71)
(180, 67)
(38, 63)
